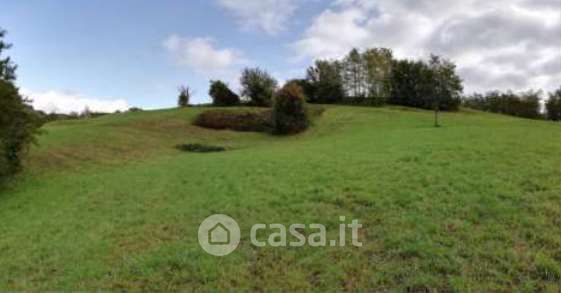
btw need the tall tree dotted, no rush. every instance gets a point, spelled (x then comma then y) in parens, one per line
(553, 106)
(324, 82)
(19, 123)
(406, 79)
(378, 64)
(354, 73)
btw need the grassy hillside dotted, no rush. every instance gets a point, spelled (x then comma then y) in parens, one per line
(110, 203)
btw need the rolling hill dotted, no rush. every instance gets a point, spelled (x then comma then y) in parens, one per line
(111, 203)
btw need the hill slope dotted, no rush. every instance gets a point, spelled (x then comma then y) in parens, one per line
(110, 203)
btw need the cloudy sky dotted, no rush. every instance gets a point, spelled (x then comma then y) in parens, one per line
(111, 55)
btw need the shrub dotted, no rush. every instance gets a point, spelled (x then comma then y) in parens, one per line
(200, 148)
(19, 124)
(258, 86)
(184, 96)
(135, 109)
(222, 95)
(247, 120)
(289, 110)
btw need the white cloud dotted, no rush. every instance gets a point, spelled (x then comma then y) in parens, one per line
(201, 55)
(270, 16)
(65, 102)
(497, 44)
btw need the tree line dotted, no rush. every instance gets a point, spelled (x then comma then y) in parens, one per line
(374, 77)
(523, 104)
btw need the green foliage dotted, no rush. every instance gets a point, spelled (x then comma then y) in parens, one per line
(426, 85)
(289, 110)
(553, 106)
(222, 95)
(378, 63)
(525, 104)
(19, 123)
(135, 109)
(445, 86)
(259, 86)
(354, 75)
(184, 96)
(245, 120)
(324, 83)
(7, 68)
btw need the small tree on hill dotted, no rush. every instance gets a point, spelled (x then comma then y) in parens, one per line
(184, 96)
(444, 84)
(289, 110)
(258, 85)
(222, 95)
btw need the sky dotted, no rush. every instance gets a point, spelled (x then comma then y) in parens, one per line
(112, 55)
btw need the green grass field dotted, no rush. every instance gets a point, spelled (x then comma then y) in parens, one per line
(110, 203)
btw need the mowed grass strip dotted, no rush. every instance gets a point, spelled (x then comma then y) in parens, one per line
(110, 203)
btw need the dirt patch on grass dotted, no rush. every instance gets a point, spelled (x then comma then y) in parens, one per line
(200, 148)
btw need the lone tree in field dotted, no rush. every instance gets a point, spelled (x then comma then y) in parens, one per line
(553, 106)
(184, 96)
(19, 123)
(443, 82)
(289, 110)
(259, 86)
(222, 95)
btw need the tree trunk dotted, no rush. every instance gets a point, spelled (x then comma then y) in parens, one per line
(436, 112)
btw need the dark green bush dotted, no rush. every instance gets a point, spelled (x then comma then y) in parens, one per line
(222, 95)
(289, 110)
(553, 106)
(200, 148)
(135, 109)
(19, 124)
(246, 120)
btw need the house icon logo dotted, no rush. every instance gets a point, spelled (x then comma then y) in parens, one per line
(219, 235)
